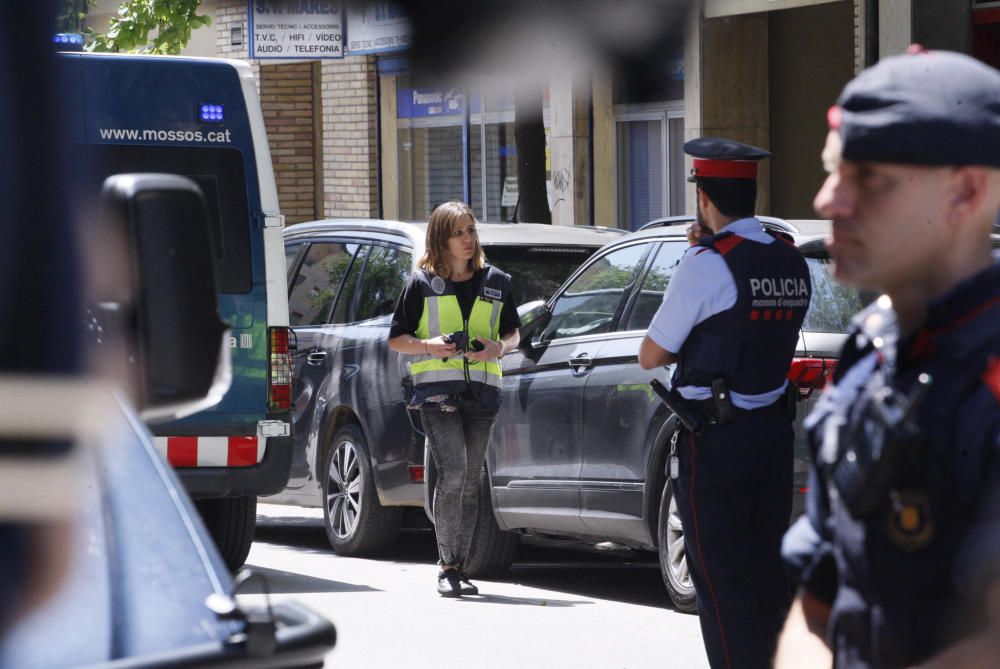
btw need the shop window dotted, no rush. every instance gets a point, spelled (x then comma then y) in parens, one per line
(429, 148)
(650, 164)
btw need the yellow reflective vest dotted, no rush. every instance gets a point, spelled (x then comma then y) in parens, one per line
(442, 316)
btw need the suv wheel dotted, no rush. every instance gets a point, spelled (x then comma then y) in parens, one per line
(673, 557)
(355, 522)
(493, 550)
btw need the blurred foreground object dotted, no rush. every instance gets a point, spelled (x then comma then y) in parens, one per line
(102, 556)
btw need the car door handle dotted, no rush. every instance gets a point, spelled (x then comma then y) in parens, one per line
(581, 363)
(316, 357)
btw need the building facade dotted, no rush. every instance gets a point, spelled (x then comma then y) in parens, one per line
(359, 137)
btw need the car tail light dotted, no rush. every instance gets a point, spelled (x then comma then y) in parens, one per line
(279, 387)
(416, 473)
(809, 374)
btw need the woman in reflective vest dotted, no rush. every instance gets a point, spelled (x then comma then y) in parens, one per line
(457, 319)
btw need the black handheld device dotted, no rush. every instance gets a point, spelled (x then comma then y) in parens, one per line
(463, 343)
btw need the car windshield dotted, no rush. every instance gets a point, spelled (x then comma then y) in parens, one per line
(537, 271)
(833, 304)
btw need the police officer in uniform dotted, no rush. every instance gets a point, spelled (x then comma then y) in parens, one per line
(730, 319)
(898, 556)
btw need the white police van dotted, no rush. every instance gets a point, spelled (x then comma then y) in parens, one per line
(201, 118)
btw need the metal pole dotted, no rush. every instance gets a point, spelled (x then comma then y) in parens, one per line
(466, 150)
(482, 152)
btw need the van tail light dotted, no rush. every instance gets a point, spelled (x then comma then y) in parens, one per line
(279, 372)
(809, 374)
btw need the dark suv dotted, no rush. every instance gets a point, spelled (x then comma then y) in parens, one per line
(358, 452)
(580, 443)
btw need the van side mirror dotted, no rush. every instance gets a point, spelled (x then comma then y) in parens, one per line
(534, 317)
(178, 358)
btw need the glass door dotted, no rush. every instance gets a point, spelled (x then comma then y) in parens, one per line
(649, 175)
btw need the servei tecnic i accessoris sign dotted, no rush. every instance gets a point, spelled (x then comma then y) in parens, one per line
(312, 29)
(296, 29)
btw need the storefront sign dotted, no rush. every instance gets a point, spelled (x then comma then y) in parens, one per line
(302, 29)
(377, 27)
(422, 102)
(509, 196)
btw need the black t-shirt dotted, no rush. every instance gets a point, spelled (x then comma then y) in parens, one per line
(410, 307)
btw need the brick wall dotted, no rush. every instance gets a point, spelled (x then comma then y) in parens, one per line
(286, 97)
(347, 126)
(350, 120)
(230, 14)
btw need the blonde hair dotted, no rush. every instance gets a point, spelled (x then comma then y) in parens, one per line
(439, 228)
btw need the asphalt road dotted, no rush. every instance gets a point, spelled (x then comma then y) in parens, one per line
(556, 608)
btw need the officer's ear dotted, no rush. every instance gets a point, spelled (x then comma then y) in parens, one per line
(970, 193)
(703, 200)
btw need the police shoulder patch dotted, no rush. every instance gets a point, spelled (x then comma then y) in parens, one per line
(910, 525)
(492, 293)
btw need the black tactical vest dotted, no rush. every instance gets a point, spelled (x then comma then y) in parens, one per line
(904, 593)
(750, 345)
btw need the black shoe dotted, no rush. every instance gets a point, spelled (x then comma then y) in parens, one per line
(448, 583)
(467, 587)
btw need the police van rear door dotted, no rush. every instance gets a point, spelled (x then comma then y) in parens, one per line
(189, 117)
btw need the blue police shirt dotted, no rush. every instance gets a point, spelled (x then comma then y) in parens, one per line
(701, 287)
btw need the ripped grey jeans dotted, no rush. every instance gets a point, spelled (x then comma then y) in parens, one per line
(458, 441)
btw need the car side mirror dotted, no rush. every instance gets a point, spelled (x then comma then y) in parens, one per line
(178, 359)
(534, 317)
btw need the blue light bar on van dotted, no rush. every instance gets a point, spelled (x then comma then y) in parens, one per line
(68, 41)
(210, 113)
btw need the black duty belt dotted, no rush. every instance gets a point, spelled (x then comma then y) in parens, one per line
(709, 409)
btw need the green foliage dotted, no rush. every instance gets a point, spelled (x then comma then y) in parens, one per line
(173, 21)
(832, 304)
(385, 274)
(603, 275)
(322, 295)
(71, 15)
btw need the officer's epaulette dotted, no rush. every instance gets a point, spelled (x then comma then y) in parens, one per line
(722, 242)
(781, 236)
(991, 377)
(709, 242)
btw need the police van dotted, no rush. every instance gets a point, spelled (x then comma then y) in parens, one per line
(201, 118)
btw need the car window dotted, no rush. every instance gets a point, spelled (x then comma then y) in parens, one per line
(219, 173)
(654, 283)
(385, 273)
(317, 281)
(345, 301)
(589, 303)
(536, 272)
(291, 253)
(832, 304)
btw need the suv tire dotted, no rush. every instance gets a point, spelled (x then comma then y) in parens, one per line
(673, 558)
(492, 550)
(354, 520)
(231, 522)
